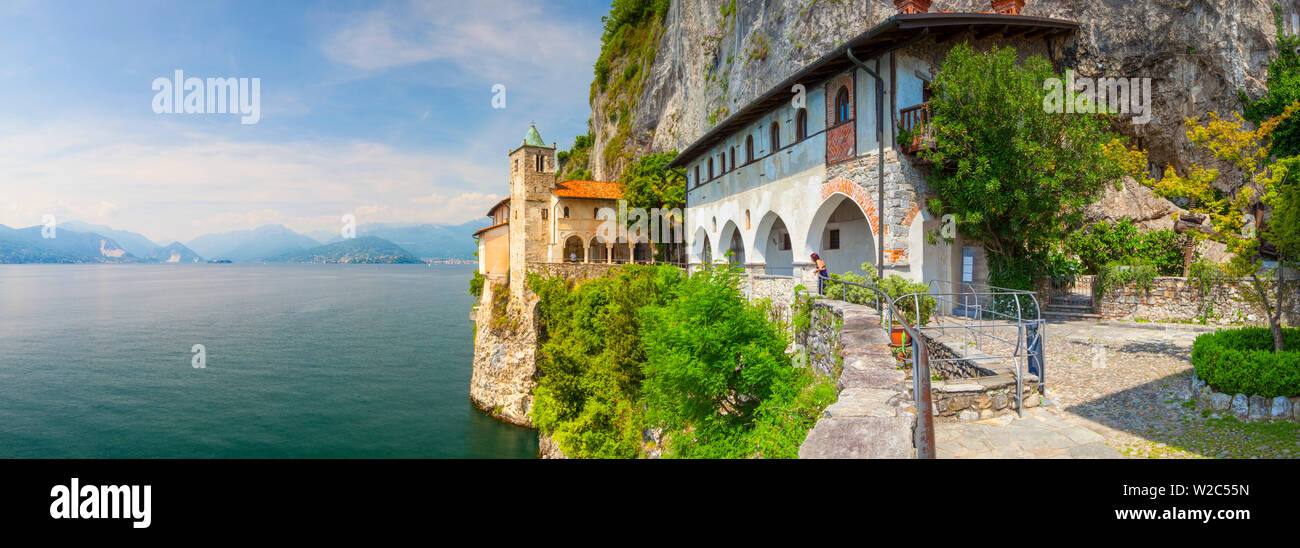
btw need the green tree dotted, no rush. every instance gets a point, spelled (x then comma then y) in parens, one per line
(1283, 89)
(648, 184)
(1263, 181)
(1015, 175)
(718, 380)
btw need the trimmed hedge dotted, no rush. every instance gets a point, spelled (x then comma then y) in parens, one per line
(1241, 361)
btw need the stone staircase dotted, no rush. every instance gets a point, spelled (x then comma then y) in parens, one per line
(1071, 307)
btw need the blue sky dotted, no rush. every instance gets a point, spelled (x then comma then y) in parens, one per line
(382, 110)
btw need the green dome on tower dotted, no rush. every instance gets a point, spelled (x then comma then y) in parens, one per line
(533, 138)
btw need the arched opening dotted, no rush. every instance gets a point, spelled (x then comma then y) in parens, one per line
(711, 175)
(775, 136)
(839, 233)
(621, 253)
(749, 148)
(701, 249)
(733, 157)
(801, 125)
(735, 243)
(774, 244)
(573, 249)
(596, 251)
(842, 105)
(566, 212)
(642, 252)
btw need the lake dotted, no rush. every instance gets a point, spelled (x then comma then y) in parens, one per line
(302, 361)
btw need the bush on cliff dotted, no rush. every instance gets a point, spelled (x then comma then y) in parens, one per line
(1242, 361)
(648, 347)
(718, 380)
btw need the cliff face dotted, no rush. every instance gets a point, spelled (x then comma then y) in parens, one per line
(716, 55)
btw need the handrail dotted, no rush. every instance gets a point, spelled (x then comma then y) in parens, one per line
(923, 438)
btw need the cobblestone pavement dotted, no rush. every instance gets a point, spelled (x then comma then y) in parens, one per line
(1117, 391)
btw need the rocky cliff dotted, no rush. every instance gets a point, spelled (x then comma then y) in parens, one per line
(713, 56)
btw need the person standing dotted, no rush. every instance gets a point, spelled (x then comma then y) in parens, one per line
(822, 273)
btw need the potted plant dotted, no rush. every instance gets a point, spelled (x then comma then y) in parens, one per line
(897, 335)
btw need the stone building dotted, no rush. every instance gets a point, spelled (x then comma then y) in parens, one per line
(798, 170)
(544, 221)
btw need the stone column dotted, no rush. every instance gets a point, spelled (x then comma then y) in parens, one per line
(609, 253)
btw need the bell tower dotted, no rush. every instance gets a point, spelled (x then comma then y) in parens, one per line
(532, 178)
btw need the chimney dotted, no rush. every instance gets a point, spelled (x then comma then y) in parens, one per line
(908, 7)
(1008, 7)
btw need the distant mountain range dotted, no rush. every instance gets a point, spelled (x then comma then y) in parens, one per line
(429, 241)
(79, 242)
(364, 249)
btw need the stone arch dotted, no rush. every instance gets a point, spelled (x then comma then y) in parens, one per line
(734, 240)
(839, 215)
(769, 245)
(701, 251)
(596, 250)
(574, 249)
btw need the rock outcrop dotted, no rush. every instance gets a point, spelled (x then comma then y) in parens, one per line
(712, 60)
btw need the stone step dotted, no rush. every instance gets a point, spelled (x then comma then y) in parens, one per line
(1053, 315)
(1060, 306)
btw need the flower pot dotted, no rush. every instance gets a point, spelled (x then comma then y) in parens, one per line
(912, 6)
(1008, 7)
(897, 335)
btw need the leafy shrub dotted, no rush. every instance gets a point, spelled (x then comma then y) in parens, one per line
(1242, 361)
(1105, 242)
(718, 380)
(1116, 275)
(894, 285)
(476, 285)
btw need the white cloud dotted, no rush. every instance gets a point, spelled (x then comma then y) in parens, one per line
(184, 186)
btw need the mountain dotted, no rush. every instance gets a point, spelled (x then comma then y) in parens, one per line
(252, 245)
(133, 243)
(429, 241)
(174, 253)
(26, 245)
(366, 249)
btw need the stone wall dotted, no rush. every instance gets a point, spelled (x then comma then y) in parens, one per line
(1179, 299)
(1244, 407)
(874, 416)
(577, 272)
(779, 289)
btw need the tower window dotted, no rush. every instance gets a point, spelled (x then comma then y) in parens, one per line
(543, 214)
(541, 163)
(566, 212)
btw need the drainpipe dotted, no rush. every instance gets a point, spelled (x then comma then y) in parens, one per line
(880, 162)
(880, 142)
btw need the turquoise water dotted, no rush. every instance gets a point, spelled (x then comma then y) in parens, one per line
(302, 361)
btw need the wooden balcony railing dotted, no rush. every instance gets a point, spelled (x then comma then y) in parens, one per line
(914, 124)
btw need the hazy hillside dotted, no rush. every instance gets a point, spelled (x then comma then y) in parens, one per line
(135, 244)
(429, 241)
(365, 249)
(251, 245)
(174, 253)
(26, 245)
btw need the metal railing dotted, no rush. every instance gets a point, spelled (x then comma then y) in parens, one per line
(987, 317)
(923, 436)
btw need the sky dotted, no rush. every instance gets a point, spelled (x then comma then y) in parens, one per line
(381, 110)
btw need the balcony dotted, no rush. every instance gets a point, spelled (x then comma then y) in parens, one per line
(914, 132)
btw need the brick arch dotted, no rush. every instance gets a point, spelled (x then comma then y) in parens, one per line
(859, 196)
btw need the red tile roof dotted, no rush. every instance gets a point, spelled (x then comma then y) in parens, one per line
(588, 189)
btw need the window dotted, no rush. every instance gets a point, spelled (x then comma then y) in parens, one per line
(697, 175)
(566, 212)
(541, 163)
(749, 148)
(776, 136)
(722, 162)
(785, 242)
(801, 125)
(835, 240)
(710, 168)
(595, 213)
(543, 214)
(733, 157)
(842, 105)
